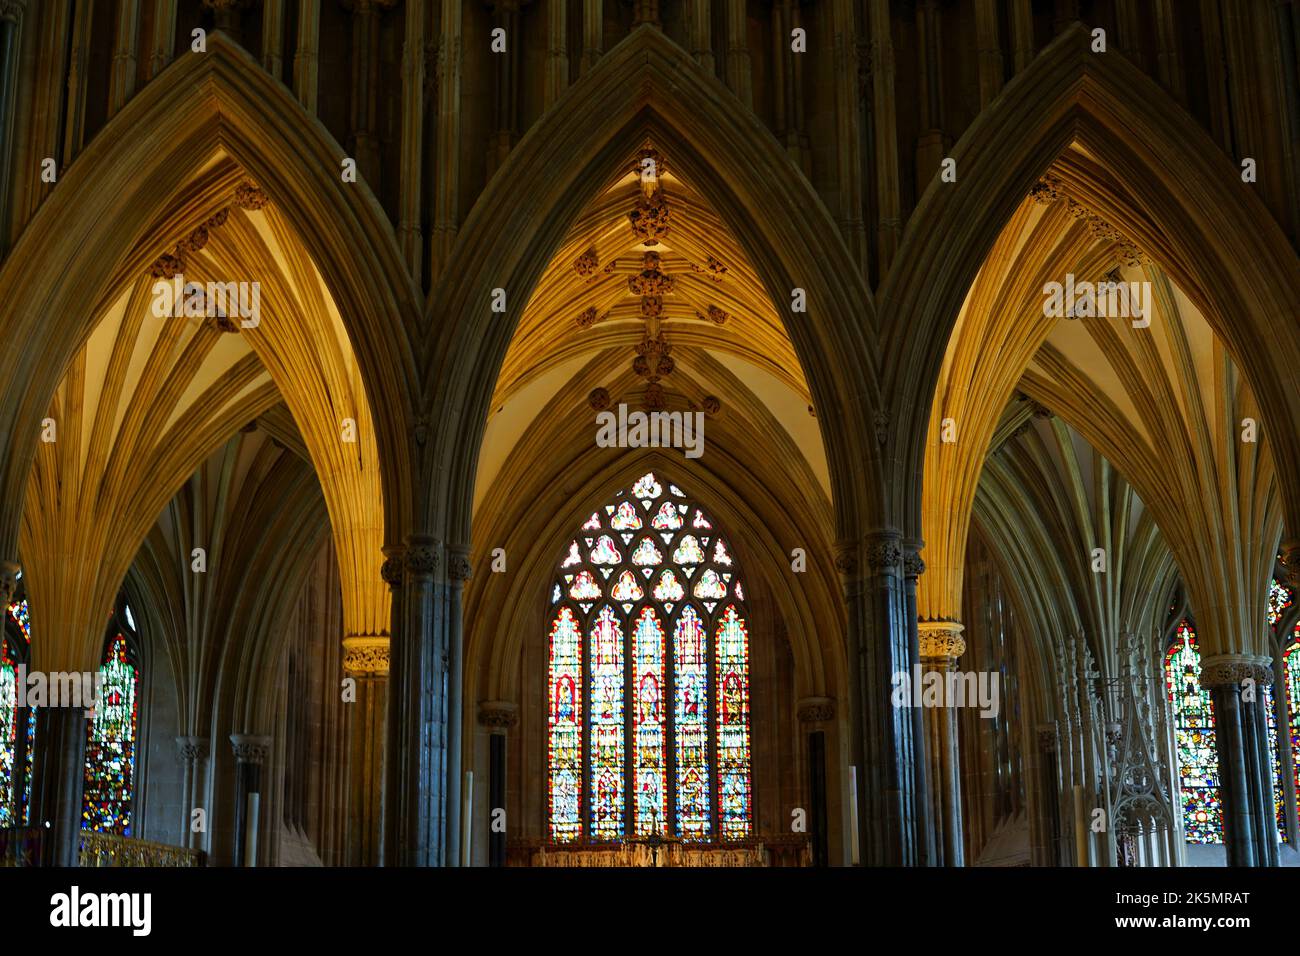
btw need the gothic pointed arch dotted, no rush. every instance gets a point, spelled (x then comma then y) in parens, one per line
(124, 183)
(1149, 170)
(725, 152)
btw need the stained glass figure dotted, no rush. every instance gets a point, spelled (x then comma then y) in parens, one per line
(565, 728)
(1198, 761)
(691, 712)
(607, 693)
(649, 724)
(109, 788)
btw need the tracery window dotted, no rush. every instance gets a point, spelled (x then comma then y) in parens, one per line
(648, 677)
(1193, 721)
(110, 769)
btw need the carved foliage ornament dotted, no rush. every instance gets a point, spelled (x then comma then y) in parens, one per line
(587, 263)
(650, 220)
(884, 553)
(1234, 669)
(422, 560)
(459, 567)
(940, 640)
(391, 571)
(366, 654)
(250, 748)
(498, 714)
(814, 710)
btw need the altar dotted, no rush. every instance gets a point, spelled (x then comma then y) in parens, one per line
(663, 853)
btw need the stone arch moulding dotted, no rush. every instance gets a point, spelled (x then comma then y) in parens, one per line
(513, 611)
(124, 182)
(1186, 203)
(791, 240)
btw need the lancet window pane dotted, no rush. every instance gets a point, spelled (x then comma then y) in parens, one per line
(733, 725)
(691, 717)
(565, 728)
(648, 735)
(1198, 761)
(607, 691)
(110, 747)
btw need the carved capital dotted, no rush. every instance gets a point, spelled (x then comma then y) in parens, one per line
(883, 553)
(190, 749)
(846, 558)
(391, 569)
(250, 748)
(422, 557)
(12, 10)
(365, 655)
(459, 566)
(498, 714)
(813, 710)
(940, 641)
(913, 566)
(1231, 669)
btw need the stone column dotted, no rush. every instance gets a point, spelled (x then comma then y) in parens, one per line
(365, 85)
(815, 717)
(739, 71)
(889, 228)
(190, 750)
(306, 55)
(499, 717)
(459, 570)
(365, 661)
(416, 773)
(929, 145)
(58, 773)
(250, 753)
(505, 16)
(940, 644)
(1235, 682)
(894, 813)
(11, 20)
(593, 34)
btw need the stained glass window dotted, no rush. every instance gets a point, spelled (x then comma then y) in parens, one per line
(651, 624)
(1275, 761)
(16, 740)
(565, 727)
(8, 733)
(1291, 676)
(649, 722)
(733, 723)
(110, 744)
(1279, 599)
(20, 615)
(1198, 761)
